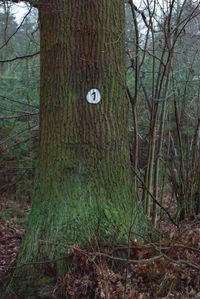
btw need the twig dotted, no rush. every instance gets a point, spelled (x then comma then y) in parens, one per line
(20, 57)
(156, 201)
(184, 262)
(8, 39)
(37, 263)
(129, 261)
(18, 102)
(19, 116)
(14, 135)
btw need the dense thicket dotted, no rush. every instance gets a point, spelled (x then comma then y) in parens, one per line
(19, 102)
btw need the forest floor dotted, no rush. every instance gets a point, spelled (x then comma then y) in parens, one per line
(168, 268)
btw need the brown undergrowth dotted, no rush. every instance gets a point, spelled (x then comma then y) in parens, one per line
(168, 268)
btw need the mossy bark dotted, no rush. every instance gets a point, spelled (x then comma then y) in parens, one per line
(84, 187)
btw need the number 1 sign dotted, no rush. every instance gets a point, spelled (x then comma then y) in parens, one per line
(93, 96)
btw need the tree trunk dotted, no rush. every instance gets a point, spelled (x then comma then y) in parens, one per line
(84, 188)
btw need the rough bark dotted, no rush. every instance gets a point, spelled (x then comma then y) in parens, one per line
(84, 188)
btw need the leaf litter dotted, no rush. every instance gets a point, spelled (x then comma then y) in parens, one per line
(168, 268)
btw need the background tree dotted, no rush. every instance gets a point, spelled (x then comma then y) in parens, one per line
(19, 102)
(159, 48)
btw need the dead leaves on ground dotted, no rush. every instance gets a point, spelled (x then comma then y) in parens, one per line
(175, 274)
(169, 268)
(10, 240)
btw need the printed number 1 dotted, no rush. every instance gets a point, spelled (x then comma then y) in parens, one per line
(94, 94)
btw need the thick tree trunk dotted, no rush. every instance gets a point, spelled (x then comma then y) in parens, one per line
(84, 188)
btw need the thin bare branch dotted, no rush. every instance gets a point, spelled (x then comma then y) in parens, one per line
(20, 57)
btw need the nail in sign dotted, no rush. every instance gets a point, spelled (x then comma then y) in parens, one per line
(93, 96)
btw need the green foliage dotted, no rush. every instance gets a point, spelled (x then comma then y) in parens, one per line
(19, 100)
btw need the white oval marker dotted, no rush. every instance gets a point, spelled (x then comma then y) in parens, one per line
(93, 96)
